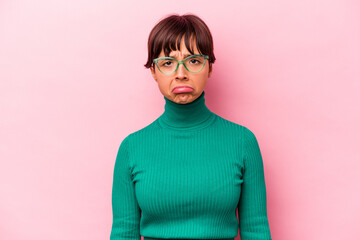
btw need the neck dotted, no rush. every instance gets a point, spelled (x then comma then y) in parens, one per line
(190, 115)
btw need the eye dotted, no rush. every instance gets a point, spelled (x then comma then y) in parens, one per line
(194, 61)
(167, 63)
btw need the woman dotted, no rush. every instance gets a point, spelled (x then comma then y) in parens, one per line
(184, 175)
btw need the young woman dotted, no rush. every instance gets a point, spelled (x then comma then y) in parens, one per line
(184, 175)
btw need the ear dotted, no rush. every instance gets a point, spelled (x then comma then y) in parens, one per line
(153, 73)
(210, 70)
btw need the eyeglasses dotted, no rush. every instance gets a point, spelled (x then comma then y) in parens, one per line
(168, 65)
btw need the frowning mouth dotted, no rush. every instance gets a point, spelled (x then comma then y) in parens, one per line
(182, 89)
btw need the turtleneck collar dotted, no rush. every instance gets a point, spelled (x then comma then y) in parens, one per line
(186, 116)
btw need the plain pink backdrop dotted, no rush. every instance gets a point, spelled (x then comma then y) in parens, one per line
(73, 85)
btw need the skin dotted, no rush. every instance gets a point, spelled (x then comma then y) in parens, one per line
(197, 81)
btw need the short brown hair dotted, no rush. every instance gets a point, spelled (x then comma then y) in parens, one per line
(167, 34)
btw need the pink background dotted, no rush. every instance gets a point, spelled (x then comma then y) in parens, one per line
(73, 85)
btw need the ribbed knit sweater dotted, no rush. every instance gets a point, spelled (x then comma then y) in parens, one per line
(185, 175)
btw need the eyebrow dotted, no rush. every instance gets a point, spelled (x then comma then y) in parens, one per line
(185, 56)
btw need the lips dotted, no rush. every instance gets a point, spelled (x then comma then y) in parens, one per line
(182, 89)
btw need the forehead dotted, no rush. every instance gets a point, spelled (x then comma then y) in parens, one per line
(183, 51)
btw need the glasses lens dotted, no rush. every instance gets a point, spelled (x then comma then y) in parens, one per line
(195, 64)
(167, 66)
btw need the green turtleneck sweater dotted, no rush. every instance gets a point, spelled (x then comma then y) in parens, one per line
(185, 175)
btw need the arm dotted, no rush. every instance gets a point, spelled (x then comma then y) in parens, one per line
(125, 209)
(252, 211)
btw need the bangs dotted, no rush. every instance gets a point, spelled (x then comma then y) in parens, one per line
(172, 41)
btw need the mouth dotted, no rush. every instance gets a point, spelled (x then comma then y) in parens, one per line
(182, 89)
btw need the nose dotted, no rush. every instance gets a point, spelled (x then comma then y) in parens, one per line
(181, 72)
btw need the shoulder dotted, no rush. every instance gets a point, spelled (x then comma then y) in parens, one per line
(145, 131)
(250, 142)
(140, 134)
(231, 125)
(248, 134)
(244, 132)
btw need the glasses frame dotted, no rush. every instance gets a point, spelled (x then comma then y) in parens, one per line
(180, 62)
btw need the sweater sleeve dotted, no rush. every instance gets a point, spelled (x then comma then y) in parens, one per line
(252, 210)
(125, 209)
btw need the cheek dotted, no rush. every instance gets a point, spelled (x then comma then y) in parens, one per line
(163, 81)
(205, 76)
